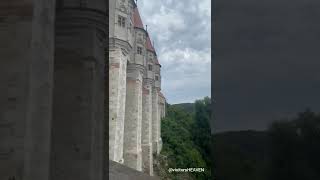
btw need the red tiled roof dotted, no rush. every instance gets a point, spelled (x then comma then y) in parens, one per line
(149, 45)
(137, 22)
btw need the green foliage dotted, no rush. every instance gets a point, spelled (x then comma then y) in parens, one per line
(185, 135)
(187, 107)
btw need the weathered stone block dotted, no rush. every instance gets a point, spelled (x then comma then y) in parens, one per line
(26, 70)
(133, 118)
(147, 158)
(117, 99)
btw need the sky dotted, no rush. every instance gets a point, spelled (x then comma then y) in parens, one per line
(267, 64)
(181, 31)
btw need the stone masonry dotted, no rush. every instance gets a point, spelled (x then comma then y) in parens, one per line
(134, 121)
(52, 71)
(52, 93)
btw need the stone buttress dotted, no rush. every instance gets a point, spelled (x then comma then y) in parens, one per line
(156, 136)
(132, 128)
(133, 117)
(147, 157)
(120, 47)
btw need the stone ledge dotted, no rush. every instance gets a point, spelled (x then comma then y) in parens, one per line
(120, 172)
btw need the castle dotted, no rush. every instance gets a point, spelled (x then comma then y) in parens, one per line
(52, 94)
(136, 104)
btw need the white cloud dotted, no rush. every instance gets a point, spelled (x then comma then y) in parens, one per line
(181, 31)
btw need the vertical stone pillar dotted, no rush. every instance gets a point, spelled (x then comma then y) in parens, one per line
(78, 106)
(155, 120)
(147, 158)
(26, 69)
(133, 117)
(117, 100)
(159, 124)
(161, 115)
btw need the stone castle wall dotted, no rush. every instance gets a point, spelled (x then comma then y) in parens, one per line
(52, 123)
(52, 98)
(137, 137)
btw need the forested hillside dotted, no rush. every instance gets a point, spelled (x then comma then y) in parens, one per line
(186, 141)
(187, 107)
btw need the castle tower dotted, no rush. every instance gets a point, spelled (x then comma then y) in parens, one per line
(26, 76)
(78, 105)
(133, 116)
(162, 105)
(155, 108)
(147, 157)
(120, 46)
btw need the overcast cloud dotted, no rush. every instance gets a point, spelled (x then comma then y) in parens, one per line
(181, 31)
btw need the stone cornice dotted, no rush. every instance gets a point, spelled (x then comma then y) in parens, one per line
(135, 67)
(142, 29)
(148, 81)
(125, 45)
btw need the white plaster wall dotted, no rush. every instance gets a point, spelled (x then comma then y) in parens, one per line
(124, 9)
(140, 41)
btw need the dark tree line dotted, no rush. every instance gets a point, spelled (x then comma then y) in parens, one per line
(288, 150)
(295, 148)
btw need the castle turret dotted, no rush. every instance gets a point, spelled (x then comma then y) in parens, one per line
(133, 116)
(78, 103)
(157, 77)
(155, 106)
(121, 42)
(148, 83)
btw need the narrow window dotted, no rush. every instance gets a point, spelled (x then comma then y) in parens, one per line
(121, 21)
(150, 67)
(157, 78)
(139, 50)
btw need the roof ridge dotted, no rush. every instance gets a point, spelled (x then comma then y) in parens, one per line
(137, 22)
